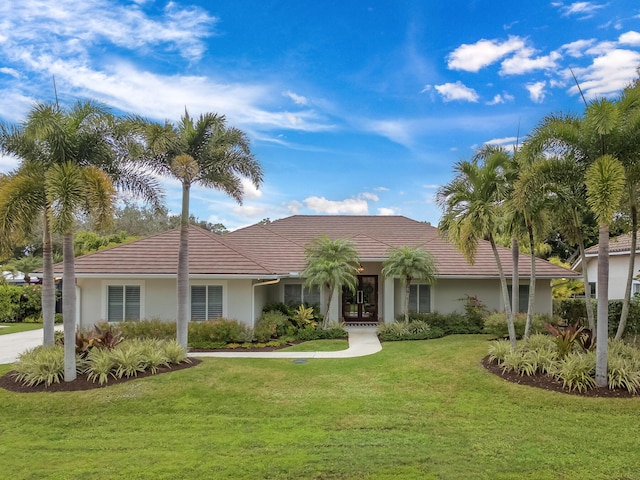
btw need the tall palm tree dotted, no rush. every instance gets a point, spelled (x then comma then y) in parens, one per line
(331, 264)
(203, 152)
(408, 264)
(605, 185)
(472, 204)
(71, 160)
(22, 202)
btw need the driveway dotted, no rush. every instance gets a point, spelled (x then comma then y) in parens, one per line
(13, 344)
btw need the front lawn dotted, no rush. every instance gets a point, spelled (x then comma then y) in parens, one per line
(422, 409)
(6, 328)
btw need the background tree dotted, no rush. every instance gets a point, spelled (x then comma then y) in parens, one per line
(331, 264)
(408, 264)
(471, 203)
(605, 185)
(198, 152)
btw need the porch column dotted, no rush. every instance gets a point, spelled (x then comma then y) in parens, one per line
(388, 303)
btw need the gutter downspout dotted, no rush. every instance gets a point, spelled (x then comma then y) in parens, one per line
(253, 298)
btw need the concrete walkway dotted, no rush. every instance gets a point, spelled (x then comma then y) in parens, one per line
(362, 341)
(13, 344)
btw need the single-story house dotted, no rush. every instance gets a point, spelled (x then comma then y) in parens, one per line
(619, 255)
(235, 275)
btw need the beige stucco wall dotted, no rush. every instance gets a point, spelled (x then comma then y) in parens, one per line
(158, 298)
(618, 270)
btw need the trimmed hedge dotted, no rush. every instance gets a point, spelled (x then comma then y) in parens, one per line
(574, 310)
(449, 323)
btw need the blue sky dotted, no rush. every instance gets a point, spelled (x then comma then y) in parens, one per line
(352, 107)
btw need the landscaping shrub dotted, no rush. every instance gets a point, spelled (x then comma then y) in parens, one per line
(10, 303)
(450, 323)
(496, 324)
(574, 310)
(272, 324)
(40, 365)
(398, 331)
(577, 371)
(203, 334)
(287, 310)
(333, 332)
(153, 328)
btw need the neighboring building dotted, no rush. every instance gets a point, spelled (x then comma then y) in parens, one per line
(236, 274)
(619, 255)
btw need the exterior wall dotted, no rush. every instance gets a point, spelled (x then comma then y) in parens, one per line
(158, 298)
(618, 266)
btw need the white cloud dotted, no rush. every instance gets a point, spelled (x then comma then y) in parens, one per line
(297, 99)
(502, 141)
(381, 189)
(249, 210)
(8, 162)
(583, 9)
(536, 91)
(431, 186)
(386, 211)
(473, 57)
(522, 62)
(608, 74)
(249, 190)
(10, 71)
(294, 207)
(630, 38)
(456, 91)
(349, 206)
(369, 196)
(501, 98)
(576, 49)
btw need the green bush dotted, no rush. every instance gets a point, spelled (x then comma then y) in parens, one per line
(222, 330)
(577, 371)
(398, 331)
(272, 324)
(153, 328)
(315, 333)
(10, 303)
(574, 310)
(450, 323)
(496, 324)
(40, 365)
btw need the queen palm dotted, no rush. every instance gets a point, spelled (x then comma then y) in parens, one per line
(408, 264)
(202, 152)
(472, 205)
(331, 264)
(605, 185)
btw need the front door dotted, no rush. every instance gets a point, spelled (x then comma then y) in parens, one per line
(361, 305)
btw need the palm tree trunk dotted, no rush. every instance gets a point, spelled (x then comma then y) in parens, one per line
(182, 320)
(325, 320)
(69, 307)
(630, 273)
(515, 276)
(532, 282)
(505, 294)
(603, 307)
(587, 287)
(407, 292)
(48, 284)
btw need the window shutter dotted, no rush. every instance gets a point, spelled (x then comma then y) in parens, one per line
(424, 298)
(115, 303)
(214, 309)
(198, 303)
(132, 302)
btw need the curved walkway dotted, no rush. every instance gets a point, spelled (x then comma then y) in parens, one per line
(13, 344)
(362, 341)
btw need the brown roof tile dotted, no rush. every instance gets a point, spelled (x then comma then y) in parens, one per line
(621, 243)
(278, 248)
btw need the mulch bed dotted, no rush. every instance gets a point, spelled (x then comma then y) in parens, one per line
(82, 383)
(547, 382)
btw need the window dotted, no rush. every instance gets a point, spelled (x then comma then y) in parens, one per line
(123, 303)
(420, 298)
(206, 302)
(523, 297)
(295, 294)
(635, 288)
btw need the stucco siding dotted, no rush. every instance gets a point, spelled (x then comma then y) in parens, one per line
(238, 304)
(618, 269)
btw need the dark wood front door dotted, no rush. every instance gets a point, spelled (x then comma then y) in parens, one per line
(361, 305)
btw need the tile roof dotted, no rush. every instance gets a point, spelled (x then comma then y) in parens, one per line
(277, 248)
(618, 244)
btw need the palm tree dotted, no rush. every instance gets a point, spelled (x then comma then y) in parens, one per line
(22, 202)
(71, 161)
(331, 264)
(408, 264)
(202, 152)
(472, 204)
(605, 186)
(26, 265)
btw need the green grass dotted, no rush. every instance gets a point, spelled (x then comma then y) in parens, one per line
(417, 410)
(18, 327)
(318, 346)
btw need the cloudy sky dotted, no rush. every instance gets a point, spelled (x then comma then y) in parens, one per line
(352, 107)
